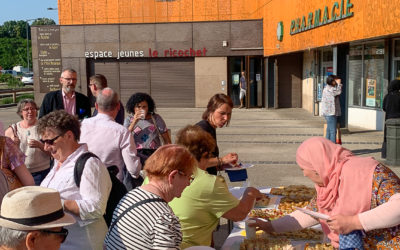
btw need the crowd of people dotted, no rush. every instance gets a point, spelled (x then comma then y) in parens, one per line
(63, 170)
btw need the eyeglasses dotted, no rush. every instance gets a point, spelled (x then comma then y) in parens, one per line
(28, 109)
(69, 79)
(51, 141)
(190, 177)
(63, 233)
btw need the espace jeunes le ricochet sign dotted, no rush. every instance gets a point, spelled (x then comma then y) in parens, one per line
(335, 13)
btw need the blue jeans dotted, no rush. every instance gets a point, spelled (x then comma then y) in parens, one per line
(39, 176)
(331, 122)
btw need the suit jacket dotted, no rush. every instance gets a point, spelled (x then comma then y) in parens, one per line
(54, 101)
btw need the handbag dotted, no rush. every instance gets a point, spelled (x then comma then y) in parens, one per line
(158, 132)
(11, 179)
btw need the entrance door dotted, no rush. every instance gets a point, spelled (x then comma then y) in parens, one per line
(255, 83)
(253, 68)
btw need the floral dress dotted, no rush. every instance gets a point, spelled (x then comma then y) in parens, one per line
(385, 184)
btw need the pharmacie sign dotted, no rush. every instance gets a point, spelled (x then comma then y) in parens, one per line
(338, 11)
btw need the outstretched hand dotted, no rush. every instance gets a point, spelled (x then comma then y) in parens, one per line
(343, 224)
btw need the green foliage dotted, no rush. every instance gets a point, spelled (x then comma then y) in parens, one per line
(11, 81)
(14, 29)
(9, 100)
(13, 52)
(43, 21)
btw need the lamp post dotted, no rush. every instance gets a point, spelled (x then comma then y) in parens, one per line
(52, 8)
(27, 41)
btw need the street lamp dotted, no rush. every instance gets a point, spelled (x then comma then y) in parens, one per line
(52, 8)
(27, 41)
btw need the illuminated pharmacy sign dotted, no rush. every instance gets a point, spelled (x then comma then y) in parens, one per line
(313, 20)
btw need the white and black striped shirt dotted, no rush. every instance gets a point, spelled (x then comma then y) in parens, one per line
(151, 225)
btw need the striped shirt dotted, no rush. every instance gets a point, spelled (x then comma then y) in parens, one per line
(151, 225)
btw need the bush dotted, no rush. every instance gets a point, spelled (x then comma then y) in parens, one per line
(9, 100)
(11, 81)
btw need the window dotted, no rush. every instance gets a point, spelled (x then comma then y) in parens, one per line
(366, 75)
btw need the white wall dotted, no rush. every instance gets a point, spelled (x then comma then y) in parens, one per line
(366, 118)
(308, 81)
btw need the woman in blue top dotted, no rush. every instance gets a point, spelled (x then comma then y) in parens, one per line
(330, 105)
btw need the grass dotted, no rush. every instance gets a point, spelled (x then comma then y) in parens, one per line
(9, 100)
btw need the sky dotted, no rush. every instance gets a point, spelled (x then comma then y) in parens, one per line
(27, 9)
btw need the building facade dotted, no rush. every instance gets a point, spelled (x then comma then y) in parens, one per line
(184, 51)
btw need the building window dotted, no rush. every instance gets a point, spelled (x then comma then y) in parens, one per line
(396, 59)
(366, 75)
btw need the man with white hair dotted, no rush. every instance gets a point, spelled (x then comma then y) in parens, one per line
(107, 139)
(33, 218)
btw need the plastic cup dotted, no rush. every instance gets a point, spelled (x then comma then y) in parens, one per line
(250, 231)
(142, 114)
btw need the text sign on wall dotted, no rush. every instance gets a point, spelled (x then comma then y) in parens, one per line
(49, 48)
(313, 20)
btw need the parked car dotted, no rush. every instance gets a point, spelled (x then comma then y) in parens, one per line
(9, 71)
(27, 79)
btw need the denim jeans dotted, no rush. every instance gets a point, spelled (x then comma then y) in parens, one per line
(331, 122)
(39, 176)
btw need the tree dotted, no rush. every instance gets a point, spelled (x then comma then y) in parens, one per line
(43, 21)
(14, 29)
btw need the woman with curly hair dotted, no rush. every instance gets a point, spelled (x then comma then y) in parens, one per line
(147, 127)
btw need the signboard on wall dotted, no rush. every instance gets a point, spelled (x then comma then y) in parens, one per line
(371, 92)
(49, 49)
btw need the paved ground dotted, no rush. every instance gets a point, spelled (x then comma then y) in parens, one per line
(268, 138)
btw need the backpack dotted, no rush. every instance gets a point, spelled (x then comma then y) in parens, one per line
(118, 189)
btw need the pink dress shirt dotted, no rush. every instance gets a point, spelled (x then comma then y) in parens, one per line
(69, 103)
(112, 143)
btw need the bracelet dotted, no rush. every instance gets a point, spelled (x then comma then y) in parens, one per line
(219, 165)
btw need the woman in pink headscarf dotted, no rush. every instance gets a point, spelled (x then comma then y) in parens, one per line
(357, 193)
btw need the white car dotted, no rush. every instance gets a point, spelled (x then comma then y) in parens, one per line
(27, 79)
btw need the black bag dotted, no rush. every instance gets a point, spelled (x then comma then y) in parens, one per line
(130, 182)
(144, 154)
(118, 190)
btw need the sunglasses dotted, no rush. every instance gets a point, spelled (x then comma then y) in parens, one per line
(191, 177)
(63, 233)
(50, 141)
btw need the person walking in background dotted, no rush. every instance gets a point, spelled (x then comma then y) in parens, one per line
(391, 106)
(97, 83)
(148, 128)
(67, 98)
(330, 105)
(243, 87)
(60, 133)
(24, 134)
(217, 115)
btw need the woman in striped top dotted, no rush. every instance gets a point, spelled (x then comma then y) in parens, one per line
(143, 218)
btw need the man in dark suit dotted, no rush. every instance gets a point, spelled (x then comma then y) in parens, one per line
(67, 98)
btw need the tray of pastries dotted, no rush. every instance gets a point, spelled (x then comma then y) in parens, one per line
(295, 192)
(288, 204)
(304, 234)
(270, 214)
(263, 243)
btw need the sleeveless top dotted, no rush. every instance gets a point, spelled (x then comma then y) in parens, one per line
(36, 160)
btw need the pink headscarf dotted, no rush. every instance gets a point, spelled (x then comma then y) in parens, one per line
(347, 179)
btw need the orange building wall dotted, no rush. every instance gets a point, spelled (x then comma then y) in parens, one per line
(153, 11)
(372, 18)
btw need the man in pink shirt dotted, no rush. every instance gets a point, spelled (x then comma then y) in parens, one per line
(107, 139)
(67, 98)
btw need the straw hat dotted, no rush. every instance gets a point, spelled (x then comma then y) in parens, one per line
(33, 207)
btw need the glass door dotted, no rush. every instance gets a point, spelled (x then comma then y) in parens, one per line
(236, 65)
(255, 82)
